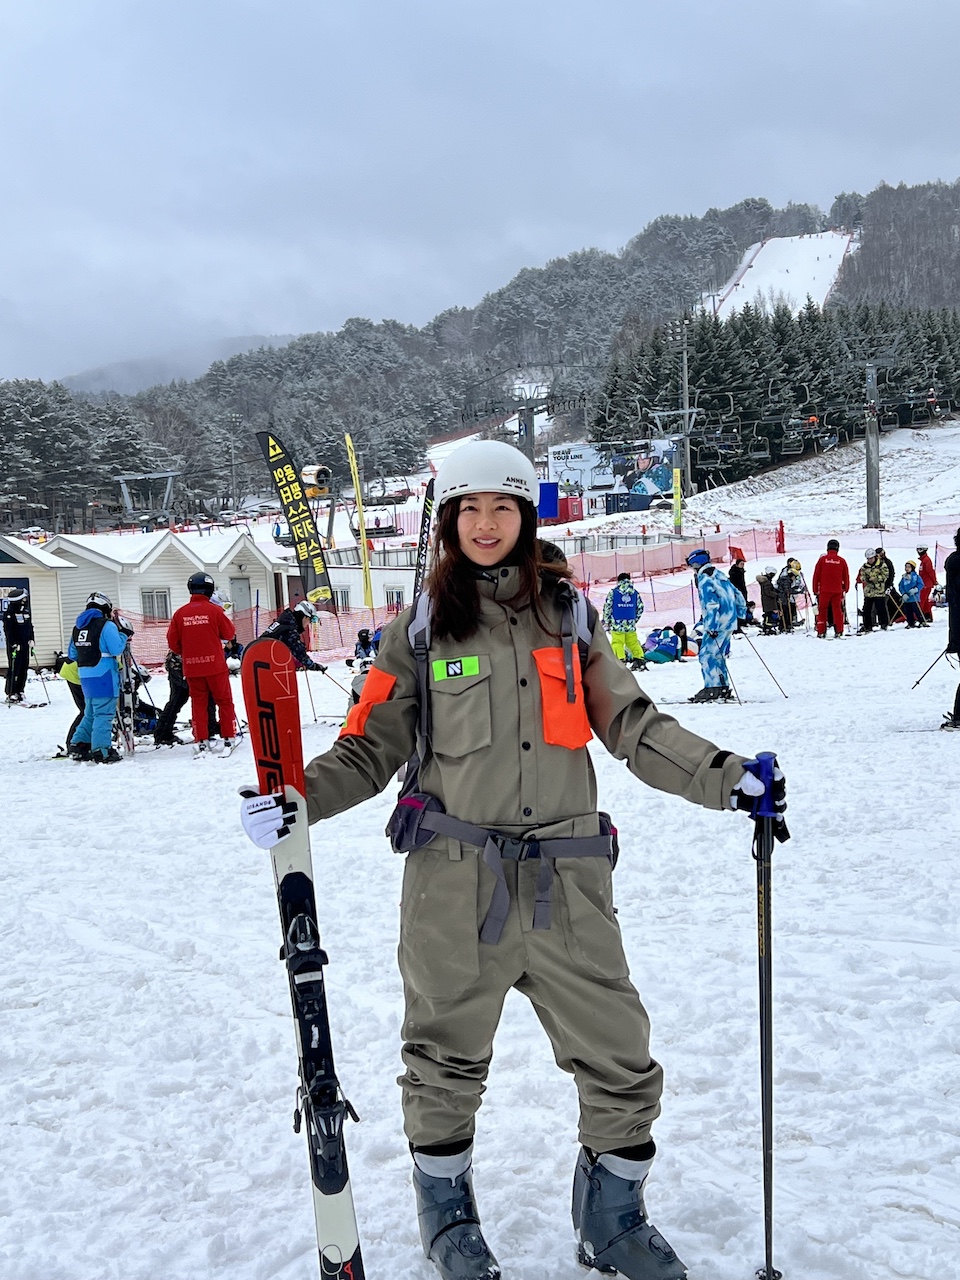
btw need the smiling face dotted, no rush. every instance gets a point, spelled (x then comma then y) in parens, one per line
(488, 526)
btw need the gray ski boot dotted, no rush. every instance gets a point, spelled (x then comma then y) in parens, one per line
(613, 1233)
(450, 1227)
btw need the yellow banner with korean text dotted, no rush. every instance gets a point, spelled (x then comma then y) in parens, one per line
(303, 529)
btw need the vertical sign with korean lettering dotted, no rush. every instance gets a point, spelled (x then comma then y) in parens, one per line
(300, 521)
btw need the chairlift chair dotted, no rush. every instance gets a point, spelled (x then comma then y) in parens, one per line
(791, 445)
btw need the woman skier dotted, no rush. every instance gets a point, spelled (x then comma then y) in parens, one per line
(498, 677)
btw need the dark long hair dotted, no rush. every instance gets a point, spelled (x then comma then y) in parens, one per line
(452, 581)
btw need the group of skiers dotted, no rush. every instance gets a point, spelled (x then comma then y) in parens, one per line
(203, 648)
(884, 598)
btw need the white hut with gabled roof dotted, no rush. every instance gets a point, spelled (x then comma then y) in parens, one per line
(146, 574)
(46, 578)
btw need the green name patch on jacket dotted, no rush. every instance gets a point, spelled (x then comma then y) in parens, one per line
(450, 668)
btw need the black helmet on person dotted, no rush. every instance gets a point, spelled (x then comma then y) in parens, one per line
(201, 584)
(363, 635)
(833, 545)
(697, 559)
(97, 600)
(17, 596)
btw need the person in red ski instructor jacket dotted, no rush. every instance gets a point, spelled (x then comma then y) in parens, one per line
(197, 632)
(928, 576)
(831, 582)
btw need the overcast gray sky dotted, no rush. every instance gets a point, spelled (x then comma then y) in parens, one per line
(185, 169)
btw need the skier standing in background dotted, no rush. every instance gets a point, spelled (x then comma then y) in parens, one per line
(721, 604)
(197, 632)
(501, 827)
(928, 576)
(831, 582)
(621, 612)
(95, 646)
(288, 627)
(910, 586)
(18, 634)
(873, 577)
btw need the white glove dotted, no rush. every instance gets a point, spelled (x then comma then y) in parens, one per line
(747, 789)
(266, 819)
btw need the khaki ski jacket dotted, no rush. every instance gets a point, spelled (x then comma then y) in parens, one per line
(507, 749)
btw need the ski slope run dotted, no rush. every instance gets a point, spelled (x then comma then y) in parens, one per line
(785, 269)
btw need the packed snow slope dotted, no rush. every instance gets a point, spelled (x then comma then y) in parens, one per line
(787, 269)
(147, 1065)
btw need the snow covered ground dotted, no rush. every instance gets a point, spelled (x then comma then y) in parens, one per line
(786, 268)
(147, 1063)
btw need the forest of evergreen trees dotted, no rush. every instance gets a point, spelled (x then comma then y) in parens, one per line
(766, 387)
(591, 325)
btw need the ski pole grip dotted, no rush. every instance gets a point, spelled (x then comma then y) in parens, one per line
(762, 768)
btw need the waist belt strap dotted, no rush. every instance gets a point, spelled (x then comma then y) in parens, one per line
(497, 846)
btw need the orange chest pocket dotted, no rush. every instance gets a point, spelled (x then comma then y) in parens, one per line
(565, 724)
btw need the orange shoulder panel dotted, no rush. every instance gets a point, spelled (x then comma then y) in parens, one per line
(377, 688)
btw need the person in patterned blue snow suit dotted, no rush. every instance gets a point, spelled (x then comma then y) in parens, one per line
(621, 613)
(721, 604)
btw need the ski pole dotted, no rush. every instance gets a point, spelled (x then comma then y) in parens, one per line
(930, 668)
(763, 836)
(729, 679)
(765, 667)
(338, 684)
(33, 654)
(310, 695)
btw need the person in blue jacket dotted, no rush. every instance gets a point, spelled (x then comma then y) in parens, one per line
(621, 613)
(95, 646)
(911, 585)
(721, 604)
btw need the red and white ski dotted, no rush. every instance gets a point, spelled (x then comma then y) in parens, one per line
(269, 679)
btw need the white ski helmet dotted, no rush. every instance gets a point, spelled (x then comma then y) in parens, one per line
(308, 609)
(486, 466)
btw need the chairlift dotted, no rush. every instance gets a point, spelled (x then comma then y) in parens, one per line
(708, 457)
(792, 444)
(889, 420)
(919, 416)
(759, 449)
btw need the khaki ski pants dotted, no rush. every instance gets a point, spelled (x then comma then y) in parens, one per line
(575, 974)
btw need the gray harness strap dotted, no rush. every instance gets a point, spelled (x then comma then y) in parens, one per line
(497, 846)
(575, 629)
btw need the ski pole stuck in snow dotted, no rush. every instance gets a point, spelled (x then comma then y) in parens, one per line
(765, 667)
(768, 826)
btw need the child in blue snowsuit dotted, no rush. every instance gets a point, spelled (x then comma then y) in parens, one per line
(911, 584)
(721, 604)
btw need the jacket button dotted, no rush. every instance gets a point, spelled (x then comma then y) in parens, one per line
(527, 813)
(513, 622)
(525, 745)
(504, 573)
(523, 682)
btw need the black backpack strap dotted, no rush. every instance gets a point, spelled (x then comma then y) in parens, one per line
(418, 634)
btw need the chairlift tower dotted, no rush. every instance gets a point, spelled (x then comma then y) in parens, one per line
(871, 413)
